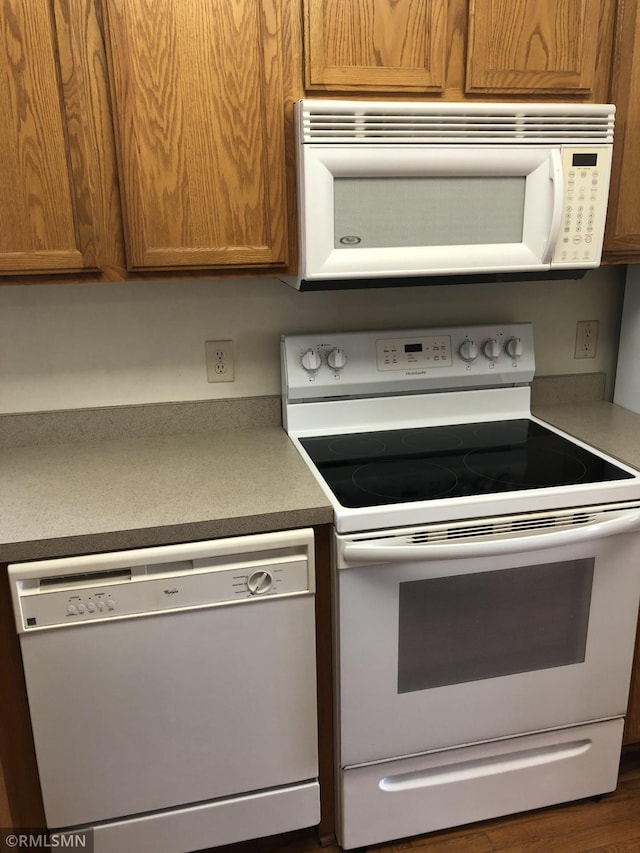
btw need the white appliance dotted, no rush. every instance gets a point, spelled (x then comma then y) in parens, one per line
(486, 578)
(627, 388)
(407, 192)
(172, 691)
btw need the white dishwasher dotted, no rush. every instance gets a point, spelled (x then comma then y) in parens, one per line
(172, 691)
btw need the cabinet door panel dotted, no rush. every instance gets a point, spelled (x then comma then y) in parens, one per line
(45, 214)
(378, 45)
(520, 46)
(632, 721)
(198, 109)
(622, 236)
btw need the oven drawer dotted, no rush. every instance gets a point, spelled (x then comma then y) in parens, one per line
(411, 796)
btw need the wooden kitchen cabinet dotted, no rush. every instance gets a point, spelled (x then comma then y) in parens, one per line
(547, 47)
(56, 190)
(632, 721)
(198, 101)
(375, 45)
(622, 236)
(460, 48)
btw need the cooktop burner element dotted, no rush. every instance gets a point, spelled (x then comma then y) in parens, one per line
(395, 466)
(404, 480)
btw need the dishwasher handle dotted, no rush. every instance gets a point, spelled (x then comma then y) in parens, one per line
(381, 552)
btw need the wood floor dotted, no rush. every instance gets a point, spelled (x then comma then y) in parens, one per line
(610, 825)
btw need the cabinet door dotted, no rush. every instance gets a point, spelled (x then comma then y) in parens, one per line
(549, 46)
(199, 118)
(377, 45)
(622, 237)
(632, 722)
(46, 216)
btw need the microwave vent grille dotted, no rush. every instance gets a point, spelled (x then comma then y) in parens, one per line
(455, 123)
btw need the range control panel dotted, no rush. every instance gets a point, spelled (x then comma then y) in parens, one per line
(434, 351)
(346, 364)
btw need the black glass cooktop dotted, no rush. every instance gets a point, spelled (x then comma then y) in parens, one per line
(396, 466)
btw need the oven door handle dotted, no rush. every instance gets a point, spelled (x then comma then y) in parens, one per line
(381, 552)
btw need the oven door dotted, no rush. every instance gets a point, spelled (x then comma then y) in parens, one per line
(486, 629)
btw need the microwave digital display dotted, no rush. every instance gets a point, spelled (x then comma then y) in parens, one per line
(413, 347)
(584, 160)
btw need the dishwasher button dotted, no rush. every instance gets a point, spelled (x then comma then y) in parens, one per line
(72, 610)
(111, 604)
(91, 607)
(101, 605)
(81, 608)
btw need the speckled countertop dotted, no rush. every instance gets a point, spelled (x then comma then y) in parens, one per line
(162, 484)
(607, 427)
(61, 499)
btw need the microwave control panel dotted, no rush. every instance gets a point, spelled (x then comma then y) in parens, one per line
(586, 171)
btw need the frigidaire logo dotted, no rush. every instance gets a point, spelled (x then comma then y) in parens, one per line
(415, 372)
(171, 591)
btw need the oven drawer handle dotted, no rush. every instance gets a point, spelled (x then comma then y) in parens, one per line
(371, 552)
(480, 767)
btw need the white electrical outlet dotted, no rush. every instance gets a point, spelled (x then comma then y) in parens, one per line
(219, 361)
(586, 339)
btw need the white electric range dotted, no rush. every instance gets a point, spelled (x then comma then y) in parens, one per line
(486, 578)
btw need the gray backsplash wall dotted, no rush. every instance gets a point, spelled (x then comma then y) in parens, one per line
(94, 345)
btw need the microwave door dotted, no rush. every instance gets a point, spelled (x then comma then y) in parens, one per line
(381, 210)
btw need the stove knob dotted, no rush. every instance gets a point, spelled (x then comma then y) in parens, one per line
(468, 351)
(337, 358)
(514, 347)
(491, 348)
(259, 582)
(311, 360)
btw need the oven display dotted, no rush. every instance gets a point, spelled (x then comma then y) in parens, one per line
(405, 354)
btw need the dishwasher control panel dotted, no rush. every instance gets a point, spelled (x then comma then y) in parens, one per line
(82, 591)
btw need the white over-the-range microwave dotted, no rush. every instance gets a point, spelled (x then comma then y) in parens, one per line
(396, 193)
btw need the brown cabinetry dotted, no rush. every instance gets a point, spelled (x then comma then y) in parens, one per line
(192, 99)
(632, 722)
(374, 45)
(51, 195)
(458, 48)
(199, 118)
(622, 238)
(547, 47)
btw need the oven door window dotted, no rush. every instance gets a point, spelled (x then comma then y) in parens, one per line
(472, 627)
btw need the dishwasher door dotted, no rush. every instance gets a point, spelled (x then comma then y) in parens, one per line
(170, 676)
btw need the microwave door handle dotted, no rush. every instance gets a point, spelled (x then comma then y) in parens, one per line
(372, 552)
(555, 176)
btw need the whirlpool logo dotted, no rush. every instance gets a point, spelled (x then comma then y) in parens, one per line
(173, 591)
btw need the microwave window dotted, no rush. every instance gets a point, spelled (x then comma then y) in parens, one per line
(372, 213)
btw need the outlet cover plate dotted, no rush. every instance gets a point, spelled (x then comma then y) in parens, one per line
(586, 339)
(219, 361)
